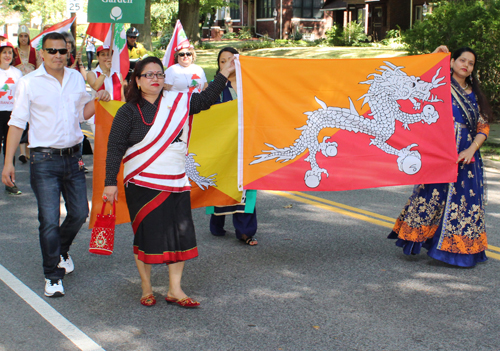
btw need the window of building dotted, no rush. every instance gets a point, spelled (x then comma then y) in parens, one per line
(234, 9)
(361, 16)
(378, 16)
(419, 13)
(265, 8)
(307, 8)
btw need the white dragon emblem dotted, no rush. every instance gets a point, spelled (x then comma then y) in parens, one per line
(194, 175)
(385, 90)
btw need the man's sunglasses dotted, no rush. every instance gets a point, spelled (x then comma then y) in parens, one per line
(55, 51)
(182, 54)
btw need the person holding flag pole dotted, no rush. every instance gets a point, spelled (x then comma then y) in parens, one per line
(181, 73)
(104, 76)
(151, 133)
(114, 37)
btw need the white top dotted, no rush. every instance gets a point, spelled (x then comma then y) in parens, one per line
(54, 111)
(108, 86)
(8, 80)
(184, 78)
(108, 81)
(90, 45)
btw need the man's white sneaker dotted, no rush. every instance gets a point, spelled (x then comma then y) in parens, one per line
(54, 288)
(67, 264)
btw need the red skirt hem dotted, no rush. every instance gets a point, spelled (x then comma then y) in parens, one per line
(166, 257)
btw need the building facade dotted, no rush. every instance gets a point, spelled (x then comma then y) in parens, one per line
(282, 19)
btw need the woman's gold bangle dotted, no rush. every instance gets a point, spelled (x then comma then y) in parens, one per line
(476, 144)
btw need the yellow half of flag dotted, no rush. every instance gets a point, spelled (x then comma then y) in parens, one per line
(214, 146)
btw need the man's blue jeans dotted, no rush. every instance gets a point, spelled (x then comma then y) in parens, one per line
(51, 176)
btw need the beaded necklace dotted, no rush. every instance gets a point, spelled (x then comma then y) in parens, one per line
(157, 109)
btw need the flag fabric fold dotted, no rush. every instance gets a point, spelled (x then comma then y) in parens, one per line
(179, 37)
(99, 30)
(60, 27)
(214, 148)
(345, 124)
(102, 31)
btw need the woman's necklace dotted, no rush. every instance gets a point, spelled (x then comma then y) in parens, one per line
(466, 86)
(157, 109)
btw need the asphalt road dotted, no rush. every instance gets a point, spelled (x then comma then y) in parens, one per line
(323, 277)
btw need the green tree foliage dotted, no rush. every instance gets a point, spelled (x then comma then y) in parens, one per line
(193, 14)
(462, 23)
(351, 35)
(164, 15)
(51, 11)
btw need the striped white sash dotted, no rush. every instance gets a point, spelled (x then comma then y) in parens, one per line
(155, 162)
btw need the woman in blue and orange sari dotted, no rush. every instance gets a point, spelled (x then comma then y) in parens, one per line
(448, 219)
(150, 133)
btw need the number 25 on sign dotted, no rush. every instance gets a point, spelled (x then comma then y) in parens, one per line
(74, 5)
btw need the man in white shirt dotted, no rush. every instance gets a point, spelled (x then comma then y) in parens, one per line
(53, 100)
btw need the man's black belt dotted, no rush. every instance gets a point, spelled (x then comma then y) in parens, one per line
(67, 151)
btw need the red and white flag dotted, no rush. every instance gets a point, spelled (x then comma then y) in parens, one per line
(179, 37)
(102, 31)
(60, 27)
(99, 30)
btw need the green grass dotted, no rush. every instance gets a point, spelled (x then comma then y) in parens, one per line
(207, 58)
(491, 149)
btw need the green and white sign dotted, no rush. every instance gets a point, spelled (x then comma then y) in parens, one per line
(116, 11)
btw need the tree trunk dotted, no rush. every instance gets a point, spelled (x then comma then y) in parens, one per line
(189, 14)
(145, 29)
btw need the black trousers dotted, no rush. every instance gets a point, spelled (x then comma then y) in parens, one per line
(4, 129)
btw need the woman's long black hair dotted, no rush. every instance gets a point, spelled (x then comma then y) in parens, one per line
(482, 101)
(134, 95)
(226, 49)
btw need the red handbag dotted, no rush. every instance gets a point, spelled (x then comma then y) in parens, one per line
(103, 233)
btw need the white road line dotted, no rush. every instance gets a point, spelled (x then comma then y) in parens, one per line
(68, 329)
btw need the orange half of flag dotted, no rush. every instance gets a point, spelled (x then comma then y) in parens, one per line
(104, 114)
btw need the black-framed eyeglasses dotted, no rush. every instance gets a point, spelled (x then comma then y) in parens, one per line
(150, 75)
(55, 51)
(182, 54)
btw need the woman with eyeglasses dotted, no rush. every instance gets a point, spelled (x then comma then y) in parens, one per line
(185, 76)
(9, 77)
(150, 133)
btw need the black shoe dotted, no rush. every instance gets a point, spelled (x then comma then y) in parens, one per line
(13, 190)
(23, 159)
